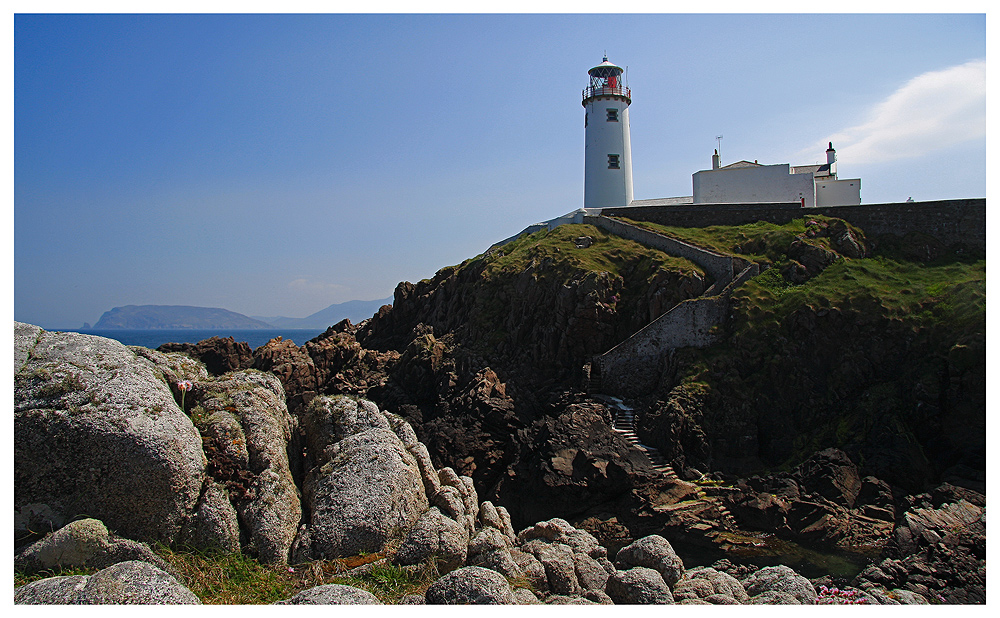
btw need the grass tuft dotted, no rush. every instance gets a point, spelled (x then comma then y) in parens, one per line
(231, 579)
(391, 583)
(21, 579)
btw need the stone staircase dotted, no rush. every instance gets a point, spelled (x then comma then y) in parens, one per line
(594, 382)
(624, 424)
(724, 515)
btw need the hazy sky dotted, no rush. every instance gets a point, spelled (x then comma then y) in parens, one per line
(275, 164)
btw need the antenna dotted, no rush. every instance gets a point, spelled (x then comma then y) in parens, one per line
(718, 140)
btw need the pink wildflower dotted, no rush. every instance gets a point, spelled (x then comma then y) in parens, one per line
(836, 596)
(184, 386)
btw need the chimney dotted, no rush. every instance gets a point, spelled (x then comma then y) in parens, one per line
(831, 160)
(716, 162)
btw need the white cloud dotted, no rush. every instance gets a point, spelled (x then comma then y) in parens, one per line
(935, 110)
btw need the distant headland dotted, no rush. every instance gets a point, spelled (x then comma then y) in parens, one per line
(177, 317)
(133, 317)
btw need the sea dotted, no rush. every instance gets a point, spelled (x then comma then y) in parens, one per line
(154, 338)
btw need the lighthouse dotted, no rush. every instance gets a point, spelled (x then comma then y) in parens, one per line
(608, 167)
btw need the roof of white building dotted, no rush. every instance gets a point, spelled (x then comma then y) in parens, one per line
(741, 164)
(815, 170)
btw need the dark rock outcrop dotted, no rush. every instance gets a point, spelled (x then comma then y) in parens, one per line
(220, 355)
(568, 462)
(938, 550)
(823, 500)
(293, 366)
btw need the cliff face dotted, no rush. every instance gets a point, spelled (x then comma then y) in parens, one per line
(882, 357)
(875, 346)
(541, 306)
(488, 348)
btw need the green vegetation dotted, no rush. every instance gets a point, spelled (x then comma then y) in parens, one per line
(754, 240)
(925, 295)
(231, 579)
(539, 281)
(391, 583)
(865, 353)
(557, 247)
(21, 579)
(218, 578)
(948, 289)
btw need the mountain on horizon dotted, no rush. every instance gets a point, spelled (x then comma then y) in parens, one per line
(144, 317)
(354, 310)
(148, 317)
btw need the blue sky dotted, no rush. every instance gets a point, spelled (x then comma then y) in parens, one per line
(276, 164)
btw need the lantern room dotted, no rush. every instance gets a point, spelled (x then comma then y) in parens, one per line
(606, 80)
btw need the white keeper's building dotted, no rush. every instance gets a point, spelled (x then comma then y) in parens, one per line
(745, 182)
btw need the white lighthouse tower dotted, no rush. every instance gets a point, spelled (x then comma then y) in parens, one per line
(608, 168)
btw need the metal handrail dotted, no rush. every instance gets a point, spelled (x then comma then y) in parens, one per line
(591, 91)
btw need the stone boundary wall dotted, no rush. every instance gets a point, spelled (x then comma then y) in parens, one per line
(752, 270)
(634, 365)
(704, 215)
(720, 267)
(950, 221)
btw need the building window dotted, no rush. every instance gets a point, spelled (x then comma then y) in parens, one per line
(612, 114)
(613, 162)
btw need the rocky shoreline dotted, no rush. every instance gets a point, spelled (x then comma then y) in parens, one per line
(255, 459)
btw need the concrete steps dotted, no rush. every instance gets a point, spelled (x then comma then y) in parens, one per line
(594, 384)
(724, 515)
(624, 424)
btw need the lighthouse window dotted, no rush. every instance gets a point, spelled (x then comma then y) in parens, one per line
(612, 114)
(613, 162)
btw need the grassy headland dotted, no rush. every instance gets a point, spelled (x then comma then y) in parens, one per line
(882, 355)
